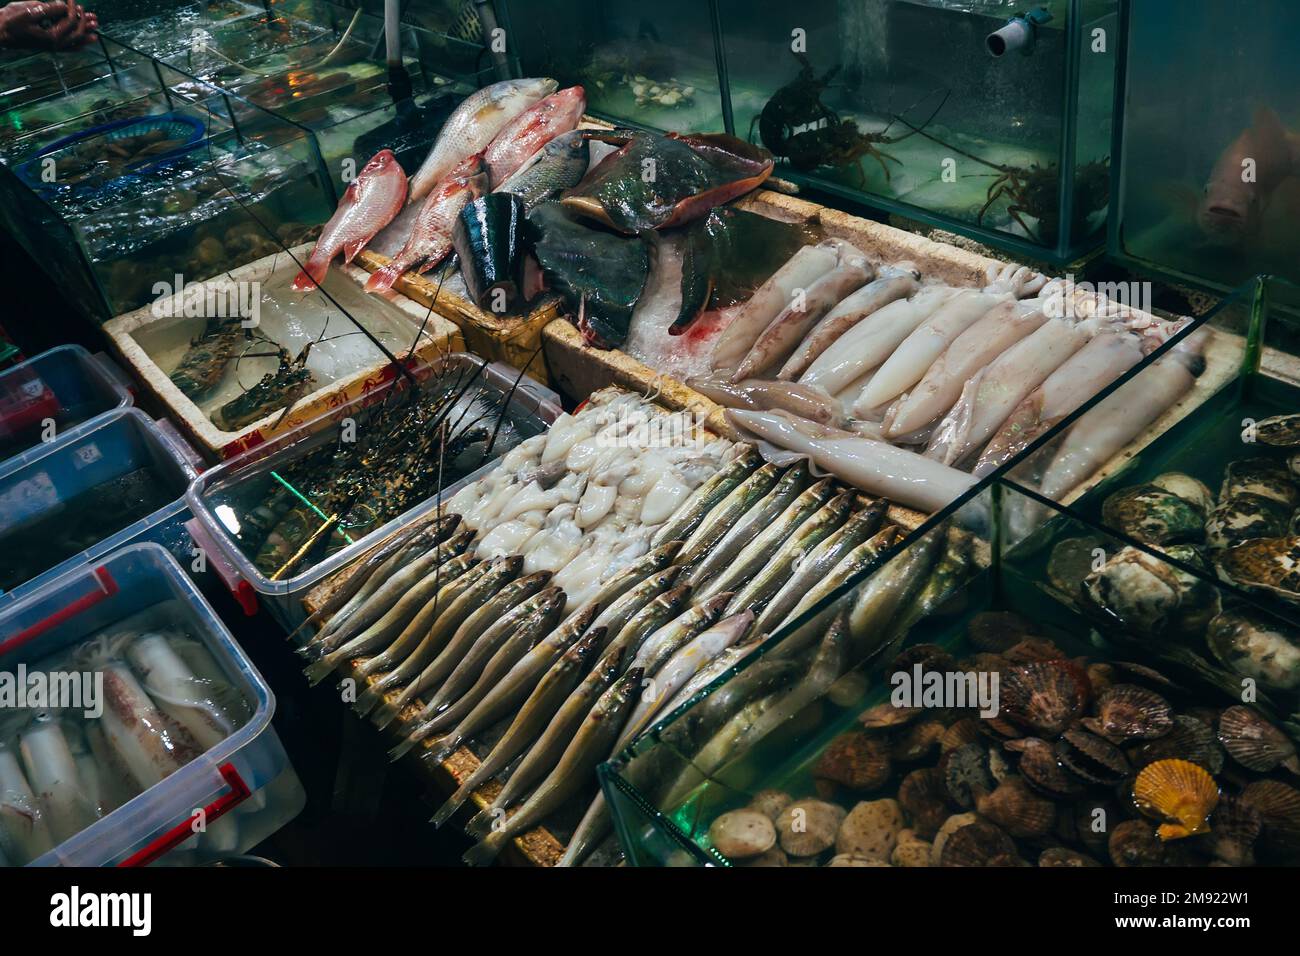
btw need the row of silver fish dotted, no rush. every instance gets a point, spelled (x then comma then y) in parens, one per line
(478, 643)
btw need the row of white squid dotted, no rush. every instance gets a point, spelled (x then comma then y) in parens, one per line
(894, 384)
(165, 701)
(584, 499)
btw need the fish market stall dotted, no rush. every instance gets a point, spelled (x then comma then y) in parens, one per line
(1099, 745)
(1206, 188)
(242, 358)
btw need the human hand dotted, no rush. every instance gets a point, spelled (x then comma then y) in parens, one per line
(37, 25)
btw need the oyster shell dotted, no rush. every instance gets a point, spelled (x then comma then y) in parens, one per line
(1269, 565)
(1153, 516)
(1283, 430)
(1244, 517)
(1195, 492)
(1145, 595)
(1265, 477)
(1252, 644)
(1255, 743)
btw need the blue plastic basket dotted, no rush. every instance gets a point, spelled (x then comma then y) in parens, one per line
(186, 128)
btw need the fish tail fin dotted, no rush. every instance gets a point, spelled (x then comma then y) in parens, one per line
(371, 696)
(481, 854)
(405, 747)
(387, 712)
(481, 823)
(448, 809)
(313, 271)
(318, 671)
(444, 749)
(382, 279)
(354, 246)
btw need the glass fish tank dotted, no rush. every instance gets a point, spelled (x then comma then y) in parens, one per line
(183, 191)
(652, 66)
(1011, 720)
(980, 116)
(1207, 186)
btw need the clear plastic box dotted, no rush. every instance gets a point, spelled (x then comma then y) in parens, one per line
(65, 389)
(532, 409)
(39, 484)
(246, 778)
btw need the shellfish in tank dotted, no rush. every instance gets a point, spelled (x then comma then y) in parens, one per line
(1181, 793)
(1252, 644)
(1269, 565)
(1280, 430)
(1190, 489)
(1154, 516)
(1145, 595)
(1265, 477)
(1245, 517)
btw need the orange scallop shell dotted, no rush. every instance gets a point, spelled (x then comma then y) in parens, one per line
(1180, 792)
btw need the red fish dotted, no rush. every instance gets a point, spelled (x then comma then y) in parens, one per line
(531, 130)
(430, 238)
(1245, 176)
(368, 205)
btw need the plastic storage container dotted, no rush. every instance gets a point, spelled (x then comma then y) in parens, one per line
(244, 784)
(61, 499)
(1205, 180)
(220, 497)
(53, 397)
(852, 741)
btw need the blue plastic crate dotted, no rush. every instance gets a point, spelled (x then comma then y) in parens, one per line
(40, 483)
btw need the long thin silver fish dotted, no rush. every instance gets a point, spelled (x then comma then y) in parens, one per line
(572, 773)
(702, 499)
(724, 515)
(622, 610)
(749, 525)
(665, 641)
(534, 714)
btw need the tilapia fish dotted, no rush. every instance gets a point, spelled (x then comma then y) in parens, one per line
(557, 166)
(430, 239)
(474, 125)
(369, 203)
(531, 130)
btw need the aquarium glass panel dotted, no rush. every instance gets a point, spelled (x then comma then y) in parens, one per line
(839, 90)
(1207, 189)
(650, 66)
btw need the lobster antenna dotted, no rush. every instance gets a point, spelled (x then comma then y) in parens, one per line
(956, 149)
(930, 119)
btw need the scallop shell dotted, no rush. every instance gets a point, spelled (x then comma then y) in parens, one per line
(1041, 769)
(1134, 843)
(1145, 595)
(1255, 743)
(916, 741)
(1017, 809)
(1047, 696)
(1126, 712)
(1252, 644)
(741, 834)
(1245, 517)
(808, 827)
(960, 732)
(1153, 516)
(923, 798)
(1146, 676)
(931, 657)
(966, 774)
(995, 631)
(1091, 758)
(1279, 807)
(1282, 430)
(1269, 565)
(978, 844)
(1265, 477)
(1235, 827)
(1177, 791)
(1033, 649)
(856, 760)
(1189, 739)
(887, 715)
(1197, 493)
(1063, 856)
